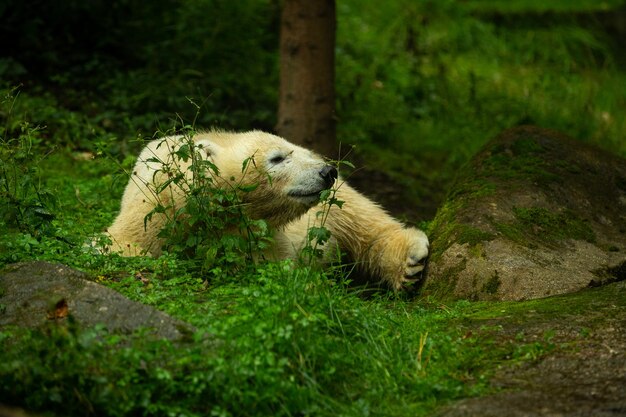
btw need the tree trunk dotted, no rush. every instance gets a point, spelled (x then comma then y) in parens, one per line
(306, 109)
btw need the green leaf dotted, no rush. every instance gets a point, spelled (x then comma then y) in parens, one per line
(205, 164)
(320, 234)
(246, 162)
(248, 188)
(334, 202)
(347, 163)
(192, 241)
(167, 182)
(183, 152)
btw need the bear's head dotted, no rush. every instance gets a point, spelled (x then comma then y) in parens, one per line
(282, 181)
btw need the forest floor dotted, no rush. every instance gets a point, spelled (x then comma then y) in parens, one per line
(584, 375)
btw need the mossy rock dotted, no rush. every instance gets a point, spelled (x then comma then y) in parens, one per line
(34, 294)
(534, 214)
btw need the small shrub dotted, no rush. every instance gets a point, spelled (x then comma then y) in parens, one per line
(25, 204)
(318, 235)
(212, 229)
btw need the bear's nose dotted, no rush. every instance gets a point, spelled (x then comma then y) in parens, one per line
(329, 175)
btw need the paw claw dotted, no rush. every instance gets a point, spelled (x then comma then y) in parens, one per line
(412, 270)
(414, 265)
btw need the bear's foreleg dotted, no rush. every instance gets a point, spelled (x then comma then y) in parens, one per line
(380, 244)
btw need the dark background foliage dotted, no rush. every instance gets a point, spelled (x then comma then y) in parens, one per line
(145, 58)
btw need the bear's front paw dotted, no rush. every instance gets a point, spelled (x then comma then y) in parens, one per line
(417, 251)
(403, 257)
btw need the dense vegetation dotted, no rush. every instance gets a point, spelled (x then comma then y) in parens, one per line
(421, 86)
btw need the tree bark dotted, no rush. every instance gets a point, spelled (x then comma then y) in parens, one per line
(306, 109)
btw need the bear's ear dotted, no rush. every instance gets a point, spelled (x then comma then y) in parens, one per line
(207, 148)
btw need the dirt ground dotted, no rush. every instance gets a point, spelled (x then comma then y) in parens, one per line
(583, 376)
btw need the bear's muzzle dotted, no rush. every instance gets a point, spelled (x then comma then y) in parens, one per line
(329, 175)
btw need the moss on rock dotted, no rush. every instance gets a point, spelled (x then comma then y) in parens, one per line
(534, 226)
(492, 285)
(535, 213)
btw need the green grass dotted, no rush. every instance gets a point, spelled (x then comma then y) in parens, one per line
(538, 6)
(290, 342)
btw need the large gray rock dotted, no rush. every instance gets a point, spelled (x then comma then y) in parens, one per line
(534, 214)
(35, 293)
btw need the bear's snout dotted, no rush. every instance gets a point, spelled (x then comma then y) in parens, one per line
(329, 175)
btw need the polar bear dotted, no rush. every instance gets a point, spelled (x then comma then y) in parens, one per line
(288, 181)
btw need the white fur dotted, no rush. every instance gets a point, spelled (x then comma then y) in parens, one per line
(380, 245)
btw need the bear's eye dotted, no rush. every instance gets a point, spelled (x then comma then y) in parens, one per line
(277, 159)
